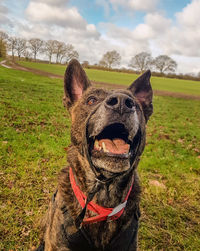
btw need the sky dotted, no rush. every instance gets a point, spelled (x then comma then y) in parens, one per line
(170, 27)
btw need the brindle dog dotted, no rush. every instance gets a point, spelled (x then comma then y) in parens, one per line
(107, 140)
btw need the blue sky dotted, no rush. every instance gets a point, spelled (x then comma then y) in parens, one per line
(95, 26)
(95, 13)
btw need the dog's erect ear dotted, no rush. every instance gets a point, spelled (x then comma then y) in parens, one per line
(142, 90)
(75, 83)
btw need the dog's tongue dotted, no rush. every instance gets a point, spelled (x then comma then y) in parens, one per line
(115, 146)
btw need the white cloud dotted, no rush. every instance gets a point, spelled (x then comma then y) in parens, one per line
(143, 32)
(53, 2)
(127, 42)
(157, 22)
(61, 22)
(143, 37)
(160, 35)
(3, 9)
(4, 19)
(28, 31)
(52, 21)
(145, 5)
(189, 17)
(187, 64)
(184, 37)
(54, 15)
(137, 5)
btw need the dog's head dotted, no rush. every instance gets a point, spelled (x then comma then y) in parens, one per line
(108, 124)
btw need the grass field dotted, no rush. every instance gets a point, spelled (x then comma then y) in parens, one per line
(34, 133)
(158, 83)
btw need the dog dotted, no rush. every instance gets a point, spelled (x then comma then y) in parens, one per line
(96, 205)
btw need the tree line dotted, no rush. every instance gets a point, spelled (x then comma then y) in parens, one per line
(61, 52)
(31, 48)
(141, 62)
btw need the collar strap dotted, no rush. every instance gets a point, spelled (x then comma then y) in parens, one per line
(103, 213)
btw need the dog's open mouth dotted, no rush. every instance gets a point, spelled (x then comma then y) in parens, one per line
(112, 141)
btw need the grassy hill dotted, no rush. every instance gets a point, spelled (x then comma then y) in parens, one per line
(34, 133)
(158, 83)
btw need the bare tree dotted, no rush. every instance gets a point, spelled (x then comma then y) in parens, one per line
(141, 62)
(85, 63)
(3, 36)
(65, 51)
(50, 48)
(12, 42)
(36, 46)
(3, 43)
(20, 46)
(70, 53)
(110, 58)
(60, 50)
(27, 54)
(164, 63)
(103, 63)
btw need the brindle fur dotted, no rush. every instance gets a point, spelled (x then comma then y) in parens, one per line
(64, 209)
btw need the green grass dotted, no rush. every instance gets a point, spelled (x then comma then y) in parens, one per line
(171, 214)
(33, 136)
(52, 68)
(158, 83)
(35, 131)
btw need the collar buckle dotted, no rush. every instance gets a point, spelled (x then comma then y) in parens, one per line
(117, 209)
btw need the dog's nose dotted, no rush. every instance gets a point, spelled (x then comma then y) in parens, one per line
(120, 103)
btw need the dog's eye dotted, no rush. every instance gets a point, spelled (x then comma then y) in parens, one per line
(91, 101)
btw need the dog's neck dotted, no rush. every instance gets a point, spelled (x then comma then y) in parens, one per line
(111, 193)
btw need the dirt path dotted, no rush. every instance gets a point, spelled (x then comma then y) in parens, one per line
(3, 63)
(13, 65)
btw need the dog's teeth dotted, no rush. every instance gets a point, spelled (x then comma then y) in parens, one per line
(104, 147)
(96, 144)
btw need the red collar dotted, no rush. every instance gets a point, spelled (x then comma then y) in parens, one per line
(102, 212)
